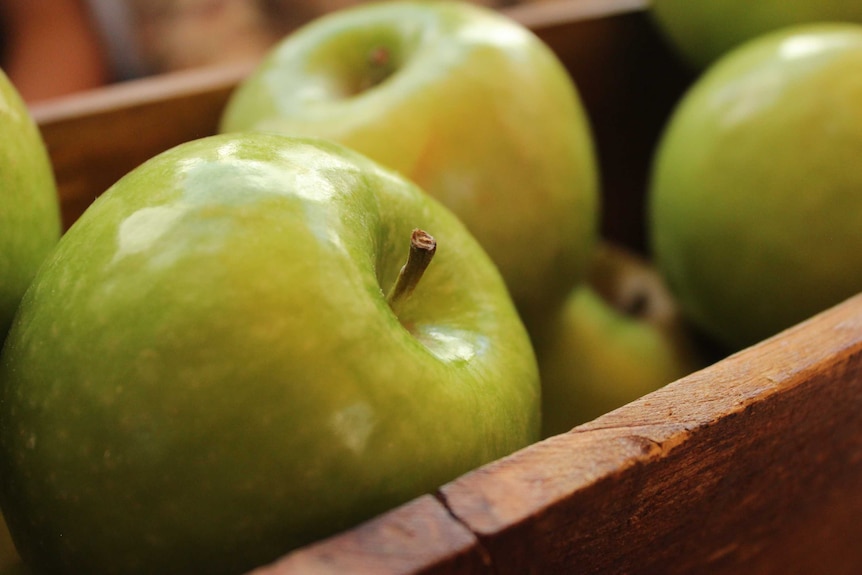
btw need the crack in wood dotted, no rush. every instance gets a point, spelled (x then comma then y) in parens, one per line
(479, 546)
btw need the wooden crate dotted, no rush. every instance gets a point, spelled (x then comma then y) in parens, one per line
(753, 465)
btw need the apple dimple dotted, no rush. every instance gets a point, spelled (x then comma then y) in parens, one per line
(447, 343)
(364, 63)
(464, 102)
(380, 67)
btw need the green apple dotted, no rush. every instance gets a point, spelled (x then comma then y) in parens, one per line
(755, 208)
(463, 101)
(212, 369)
(29, 223)
(9, 558)
(29, 207)
(618, 337)
(703, 30)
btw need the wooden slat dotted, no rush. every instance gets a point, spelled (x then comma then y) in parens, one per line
(96, 138)
(419, 537)
(629, 82)
(753, 465)
(542, 15)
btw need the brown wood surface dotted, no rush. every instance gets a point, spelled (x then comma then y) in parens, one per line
(96, 138)
(753, 465)
(419, 537)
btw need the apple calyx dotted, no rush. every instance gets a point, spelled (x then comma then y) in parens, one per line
(626, 282)
(637, 303)
(423, 246)
(380, 67)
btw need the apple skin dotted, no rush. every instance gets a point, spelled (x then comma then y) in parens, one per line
(9, 559)
(755, 201)
(704, 30)
(205, 373)
(618, 337)
(29, 206)
(29, 224)
(465, 102)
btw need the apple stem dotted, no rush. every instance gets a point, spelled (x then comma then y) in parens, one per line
(422, 249)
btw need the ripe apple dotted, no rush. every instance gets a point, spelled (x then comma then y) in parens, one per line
(29, 207)
(618, 337)
(465, 102)
(756, 195)
(703, 30)
(207, 371)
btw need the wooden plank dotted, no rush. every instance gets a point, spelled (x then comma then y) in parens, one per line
(96, 138)
(752, 465)
(629, 82)
(539, 16)
(419, 537)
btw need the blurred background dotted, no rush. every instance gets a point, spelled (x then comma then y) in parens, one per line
(51, 48)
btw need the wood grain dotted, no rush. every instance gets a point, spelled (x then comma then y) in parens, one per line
(96, 138)
(752, 465)
(419, 537)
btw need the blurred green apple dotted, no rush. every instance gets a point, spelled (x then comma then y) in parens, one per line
(465, 102)
(756, 196)
(29, 225)
(618, 337)
(703, 30)
(9, 559)
(29, 207)
(206, 372)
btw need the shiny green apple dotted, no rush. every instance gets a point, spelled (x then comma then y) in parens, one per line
(211, 368)
(29, 207)
(756, 195)
(465, 102)
(703, 30)
(618, 337)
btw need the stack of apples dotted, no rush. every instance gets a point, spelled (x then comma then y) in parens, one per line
(484, 118)
(384, 272)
